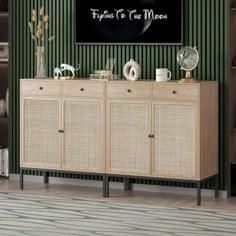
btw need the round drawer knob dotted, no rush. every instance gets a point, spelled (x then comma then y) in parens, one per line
(129, 90)
(174, 92)
(40, 88)
(82, 89)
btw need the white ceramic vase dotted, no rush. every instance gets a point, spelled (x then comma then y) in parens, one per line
(132, 70)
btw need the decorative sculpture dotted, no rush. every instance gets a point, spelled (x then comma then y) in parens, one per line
(72, 69)
(57, 72)
(132, 70)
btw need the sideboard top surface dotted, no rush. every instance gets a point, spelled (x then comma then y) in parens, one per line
(177, 82)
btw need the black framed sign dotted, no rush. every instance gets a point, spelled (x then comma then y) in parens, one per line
(129, 21)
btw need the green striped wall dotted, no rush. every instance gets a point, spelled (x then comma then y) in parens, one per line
(205, 26)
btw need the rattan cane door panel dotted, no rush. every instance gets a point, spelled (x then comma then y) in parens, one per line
(175, 142)
(84, 135)
(41, 142)
(129, 147)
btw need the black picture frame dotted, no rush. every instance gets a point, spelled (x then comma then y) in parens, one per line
(92, 37)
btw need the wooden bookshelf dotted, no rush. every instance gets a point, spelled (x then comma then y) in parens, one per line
(231, 121)
(4, 67)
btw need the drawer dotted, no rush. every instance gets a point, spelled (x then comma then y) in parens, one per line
(129, 90)
(176, 92)
(83, 89)
(46, 88)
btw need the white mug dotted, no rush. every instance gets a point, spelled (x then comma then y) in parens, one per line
(163, 74)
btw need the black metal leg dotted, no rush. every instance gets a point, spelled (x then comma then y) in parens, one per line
(21, 179)
(199, 193)
(217, 186)
(105, 186)
(127, 184)
(45, 177)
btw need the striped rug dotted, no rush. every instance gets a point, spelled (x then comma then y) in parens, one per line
(29, 214)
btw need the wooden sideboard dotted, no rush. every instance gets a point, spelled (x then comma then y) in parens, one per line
(166, 131)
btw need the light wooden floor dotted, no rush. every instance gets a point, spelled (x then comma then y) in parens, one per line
(120, 195)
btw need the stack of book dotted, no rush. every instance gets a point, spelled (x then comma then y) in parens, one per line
(103, 75)
(4, 160)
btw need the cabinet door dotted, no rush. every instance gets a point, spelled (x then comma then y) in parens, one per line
(83, 135)
(40, 139)
(176, 140)
(129, 147)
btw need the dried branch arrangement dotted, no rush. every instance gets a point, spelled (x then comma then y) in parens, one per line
(38, 27)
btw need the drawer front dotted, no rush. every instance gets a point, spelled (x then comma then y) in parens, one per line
(48, 88)
(176, 92)
(83, 89)
(129, 90)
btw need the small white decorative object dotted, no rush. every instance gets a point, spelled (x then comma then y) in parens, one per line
(57, 72)
(2, 108)
(4, 51)
(132, 70)
(7, 101)
(70, 68)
